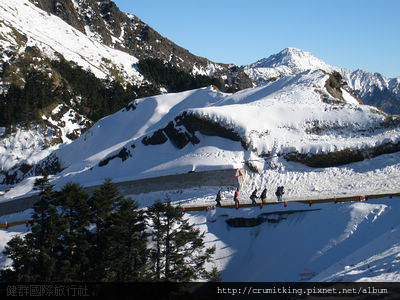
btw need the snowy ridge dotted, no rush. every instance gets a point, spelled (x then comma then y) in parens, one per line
(292, 61)
(49, 33)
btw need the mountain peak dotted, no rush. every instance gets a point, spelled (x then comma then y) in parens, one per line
(371, 88)
(293, 58)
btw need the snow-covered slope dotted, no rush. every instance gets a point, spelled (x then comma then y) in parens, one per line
(327, 242)
(26, 146)
(104, 22)
(22, 24)
(24, 27)
(295, 118)
(372, 88)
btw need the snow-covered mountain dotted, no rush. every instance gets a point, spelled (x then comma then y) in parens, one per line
(372, 88)
(279, 130)
(24, 25)
(103, 22)
(303, 131)
(60, 41)
(289, 61)
(98, 36)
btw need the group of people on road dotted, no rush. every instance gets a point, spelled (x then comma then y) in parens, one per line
(263, 197)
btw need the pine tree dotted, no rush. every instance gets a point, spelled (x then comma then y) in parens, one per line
(74, 261)
(119, 245)
(155, 213)
(179, 253)
(103, 204)
(35, 256)
(23, 261)
(46, 226)
(128, 253)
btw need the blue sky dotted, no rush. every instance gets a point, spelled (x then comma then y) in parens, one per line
(352, 34)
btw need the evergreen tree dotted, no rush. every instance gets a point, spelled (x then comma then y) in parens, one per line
(178, 253)
(128, 254)
(74, 260)
(155, 213)
(102, 205)
(23, 261)
(119, 245)
(103, 238)
(35, 256)
(46, 227)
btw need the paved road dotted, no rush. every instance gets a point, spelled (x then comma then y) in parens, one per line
(228, 204)
(247, 202)
(225, 177)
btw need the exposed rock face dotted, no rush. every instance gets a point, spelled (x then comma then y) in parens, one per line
(182, 131)
(333, 159)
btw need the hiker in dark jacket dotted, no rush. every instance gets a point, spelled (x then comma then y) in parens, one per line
(254, 196)
(263, 196)
(279, 193)
(218, 199)
(236, 197)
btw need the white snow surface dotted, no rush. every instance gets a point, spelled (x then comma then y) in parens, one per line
(208, 71)
(52, 35)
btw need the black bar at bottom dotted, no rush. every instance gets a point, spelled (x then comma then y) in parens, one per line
(198, 291)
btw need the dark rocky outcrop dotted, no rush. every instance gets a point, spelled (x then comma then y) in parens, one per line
(179, 137)
(183, 129)
(49, 165)
(157, 138)
(124, 153)
(333, 85)
(342, 157)
(204, 125)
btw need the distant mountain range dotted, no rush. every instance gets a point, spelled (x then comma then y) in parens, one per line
(372, 88)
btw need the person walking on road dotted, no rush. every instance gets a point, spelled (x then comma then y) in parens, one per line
(279, 193)
(254, 196)
(236, 198)
(218, 199)
(263, 196)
